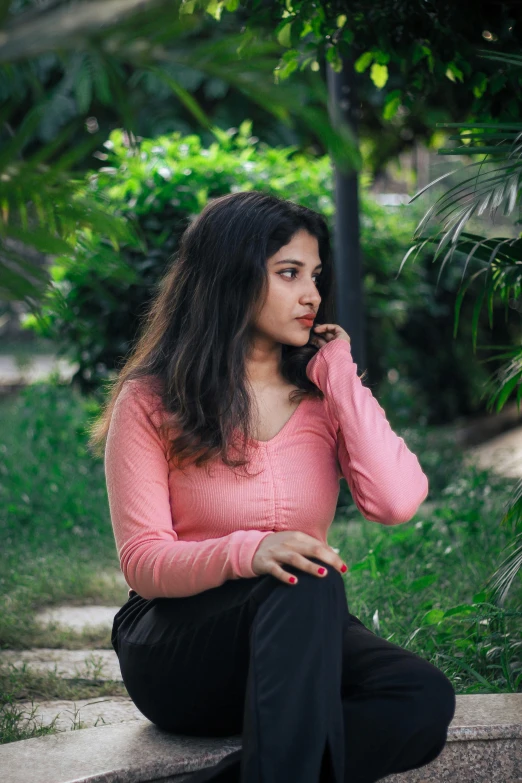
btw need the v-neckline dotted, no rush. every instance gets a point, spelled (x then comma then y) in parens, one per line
(291, 420)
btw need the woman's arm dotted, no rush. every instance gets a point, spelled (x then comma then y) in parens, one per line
(385, 478)
(154, 562)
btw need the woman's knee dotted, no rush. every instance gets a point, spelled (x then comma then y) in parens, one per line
(436, 697)
(332, 574)
(310, 591)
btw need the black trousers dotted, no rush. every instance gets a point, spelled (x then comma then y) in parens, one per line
(315, 695)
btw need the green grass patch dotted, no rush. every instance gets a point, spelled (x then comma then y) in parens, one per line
(25, 682)
(57, 537)
(423, 584)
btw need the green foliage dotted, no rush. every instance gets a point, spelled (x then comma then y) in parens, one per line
(491, 182)
(494, 183)
(98, 296)
(412, 50)
(42, 207)
(67, 77)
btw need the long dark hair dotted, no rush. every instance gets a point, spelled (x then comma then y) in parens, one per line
(196, 331)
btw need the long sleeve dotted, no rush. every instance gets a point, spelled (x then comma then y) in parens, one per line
(155, 563)
(384, 476)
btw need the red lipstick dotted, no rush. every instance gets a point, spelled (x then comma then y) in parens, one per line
(307, 320)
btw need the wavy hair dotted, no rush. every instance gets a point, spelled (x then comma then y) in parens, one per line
(196, 331)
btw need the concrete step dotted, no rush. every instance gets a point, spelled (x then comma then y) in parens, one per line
(501, 454)
(484, 746)
(78, 618)
(95, 665)
(79, 714)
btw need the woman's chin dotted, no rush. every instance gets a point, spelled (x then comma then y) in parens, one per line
(296, 342)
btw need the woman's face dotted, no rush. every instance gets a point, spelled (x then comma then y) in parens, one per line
(293, 273)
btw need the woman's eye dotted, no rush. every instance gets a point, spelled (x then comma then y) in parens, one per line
(294, 271)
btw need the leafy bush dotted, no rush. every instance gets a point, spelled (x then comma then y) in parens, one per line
(93, 310)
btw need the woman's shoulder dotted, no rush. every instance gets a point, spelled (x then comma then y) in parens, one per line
(145, 392)
(144, 386)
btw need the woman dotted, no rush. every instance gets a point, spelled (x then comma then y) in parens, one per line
(237, 620)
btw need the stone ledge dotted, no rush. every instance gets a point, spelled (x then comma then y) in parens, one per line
(484, 745)
(126, 753)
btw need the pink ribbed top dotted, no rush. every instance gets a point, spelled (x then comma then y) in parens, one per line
(181, 532)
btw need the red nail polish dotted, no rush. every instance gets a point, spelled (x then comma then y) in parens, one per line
(291, 579)
(344, 568)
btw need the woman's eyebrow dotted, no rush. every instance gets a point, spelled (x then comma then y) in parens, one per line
(294, 261)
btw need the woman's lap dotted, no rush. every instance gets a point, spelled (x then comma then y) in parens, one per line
(185, 661)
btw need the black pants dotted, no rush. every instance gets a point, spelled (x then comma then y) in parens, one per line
(316, 696)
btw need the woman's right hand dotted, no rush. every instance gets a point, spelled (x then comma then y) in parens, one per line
(292, 547)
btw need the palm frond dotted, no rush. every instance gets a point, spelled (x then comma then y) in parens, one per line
(488, 188)
(41, 208)
(495, 182)
(501, 580)
(506, 379)
(499, 261)
(20, 279)
(503, 57)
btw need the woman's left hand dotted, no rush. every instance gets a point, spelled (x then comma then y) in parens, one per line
(325, 333)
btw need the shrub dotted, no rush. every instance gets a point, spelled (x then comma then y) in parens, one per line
(98, 297)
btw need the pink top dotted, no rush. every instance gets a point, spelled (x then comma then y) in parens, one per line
(179, 533)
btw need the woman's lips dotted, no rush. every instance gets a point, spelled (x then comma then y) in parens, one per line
(306, 321)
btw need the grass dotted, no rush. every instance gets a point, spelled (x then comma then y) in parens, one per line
(20, 684)
(23, 682)
(423, 584)
(18, 723)
(53, 513)
(420, 584)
